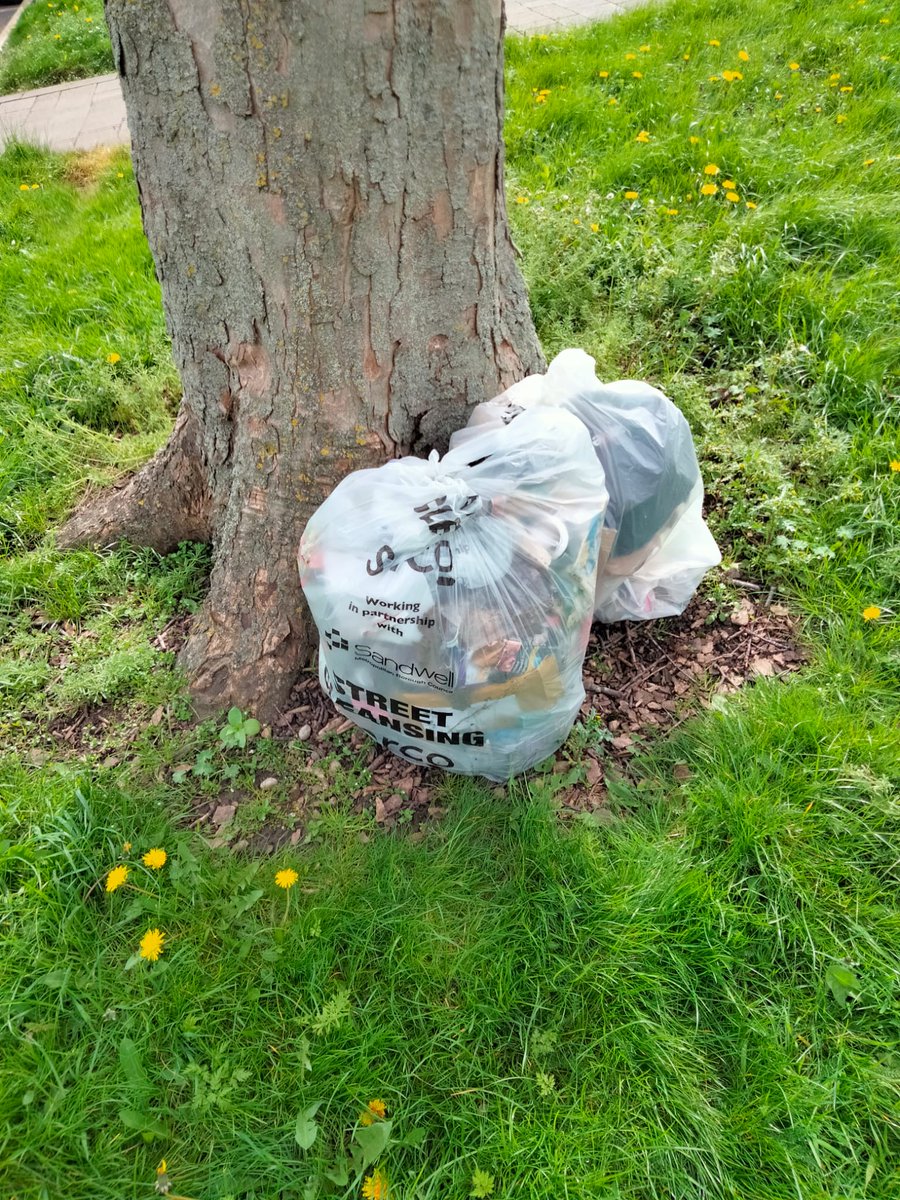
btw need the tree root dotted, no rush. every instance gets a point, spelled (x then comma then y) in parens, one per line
(165, 503)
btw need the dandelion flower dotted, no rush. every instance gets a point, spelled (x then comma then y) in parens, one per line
(644, 49)
(637, 75)
(895, 464)
(631, 195)
(884, 20)
(163, 1184)
(126, 846)
(733, 197)
(868, 162)
(24, 187)
(743, 56)
(729, 185)
(603, 74)
(834, 77)
(779, 96)
(731, 76)
(848, 87)
(612, 100)
(714, 42)
(287, 878)
(672, 212)
(794, 66)
(750, 204)
(375, 1187)
(710, 169)
(116, 878)
(375, 1109)
(686, 57)
(695, 141)
(113, 358)
(521, 199)
(841, 118)
(708, 189)
(872, 613)
(714, 79)
(595, 228)
(630, 57)
(152, 944)
(643, 136)
(155, 858)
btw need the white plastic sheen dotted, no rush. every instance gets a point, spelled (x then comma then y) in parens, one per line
(656, 546)
(454, 595)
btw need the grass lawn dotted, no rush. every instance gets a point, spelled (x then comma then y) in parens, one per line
(697, 1001)
(55, 42)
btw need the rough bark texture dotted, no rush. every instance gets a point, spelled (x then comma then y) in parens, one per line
(322, 189)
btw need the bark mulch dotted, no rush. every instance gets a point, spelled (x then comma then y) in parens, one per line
(641, 681)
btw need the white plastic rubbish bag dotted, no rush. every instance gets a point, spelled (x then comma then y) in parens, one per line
(655, 547)
(453, 596)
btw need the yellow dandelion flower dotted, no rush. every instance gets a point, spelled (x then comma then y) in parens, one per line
(733, 197)
(576, 221)
(152, 945)
(731, 76)
(637, 75)
(695, 141)
(595, 228)
(57, 36)
(686, 57)
(644, 49)
(841, 118)
(872, 613)
(375, 1187)
(521, 199)
(818, 108)
(126, 846)
(113, 358)
(779, 96)
(116, 878)
(794, 66)
(155, 858)
(643, 136)
(672, 212)
(895, 464)
(710, 169)
(603, 74)
(708, 189)
(612, 100)
(884, 20)
(729, 184)
(750, 204)
(743, 56)
(867, 162)
(630, 57)
(834, 77)
(287, 878)
(374, 1110)
(163, 1184)
(714, 42)
(714, 79)
(847, 87)
(631, 195)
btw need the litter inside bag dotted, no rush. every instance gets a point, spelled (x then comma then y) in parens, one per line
(454, 595)
(655, 544)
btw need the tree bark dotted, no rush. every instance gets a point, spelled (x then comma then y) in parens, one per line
(322, 189)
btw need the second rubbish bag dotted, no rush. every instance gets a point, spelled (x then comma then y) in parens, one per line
(454, 595)
(656, 546)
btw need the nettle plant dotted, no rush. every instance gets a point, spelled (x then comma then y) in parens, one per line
(237, 731)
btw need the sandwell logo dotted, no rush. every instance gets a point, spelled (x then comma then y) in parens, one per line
(334, 641)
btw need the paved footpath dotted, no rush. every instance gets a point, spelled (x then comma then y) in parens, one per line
(91, 112)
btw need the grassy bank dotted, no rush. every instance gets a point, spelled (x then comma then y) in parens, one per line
(56, 42)
(698, 1000)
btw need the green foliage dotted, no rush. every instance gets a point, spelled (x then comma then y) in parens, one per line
(238, 729)
(702, 1000)
(54, 42)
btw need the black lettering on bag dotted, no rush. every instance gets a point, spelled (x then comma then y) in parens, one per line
(383, 556)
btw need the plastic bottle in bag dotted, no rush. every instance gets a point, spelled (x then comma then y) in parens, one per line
(454, 595)
(656, 546)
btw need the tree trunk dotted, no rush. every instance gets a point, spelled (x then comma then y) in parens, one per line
(322, 189)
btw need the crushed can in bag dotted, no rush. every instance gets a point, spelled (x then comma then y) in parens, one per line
(453, 596)
(656, 546)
